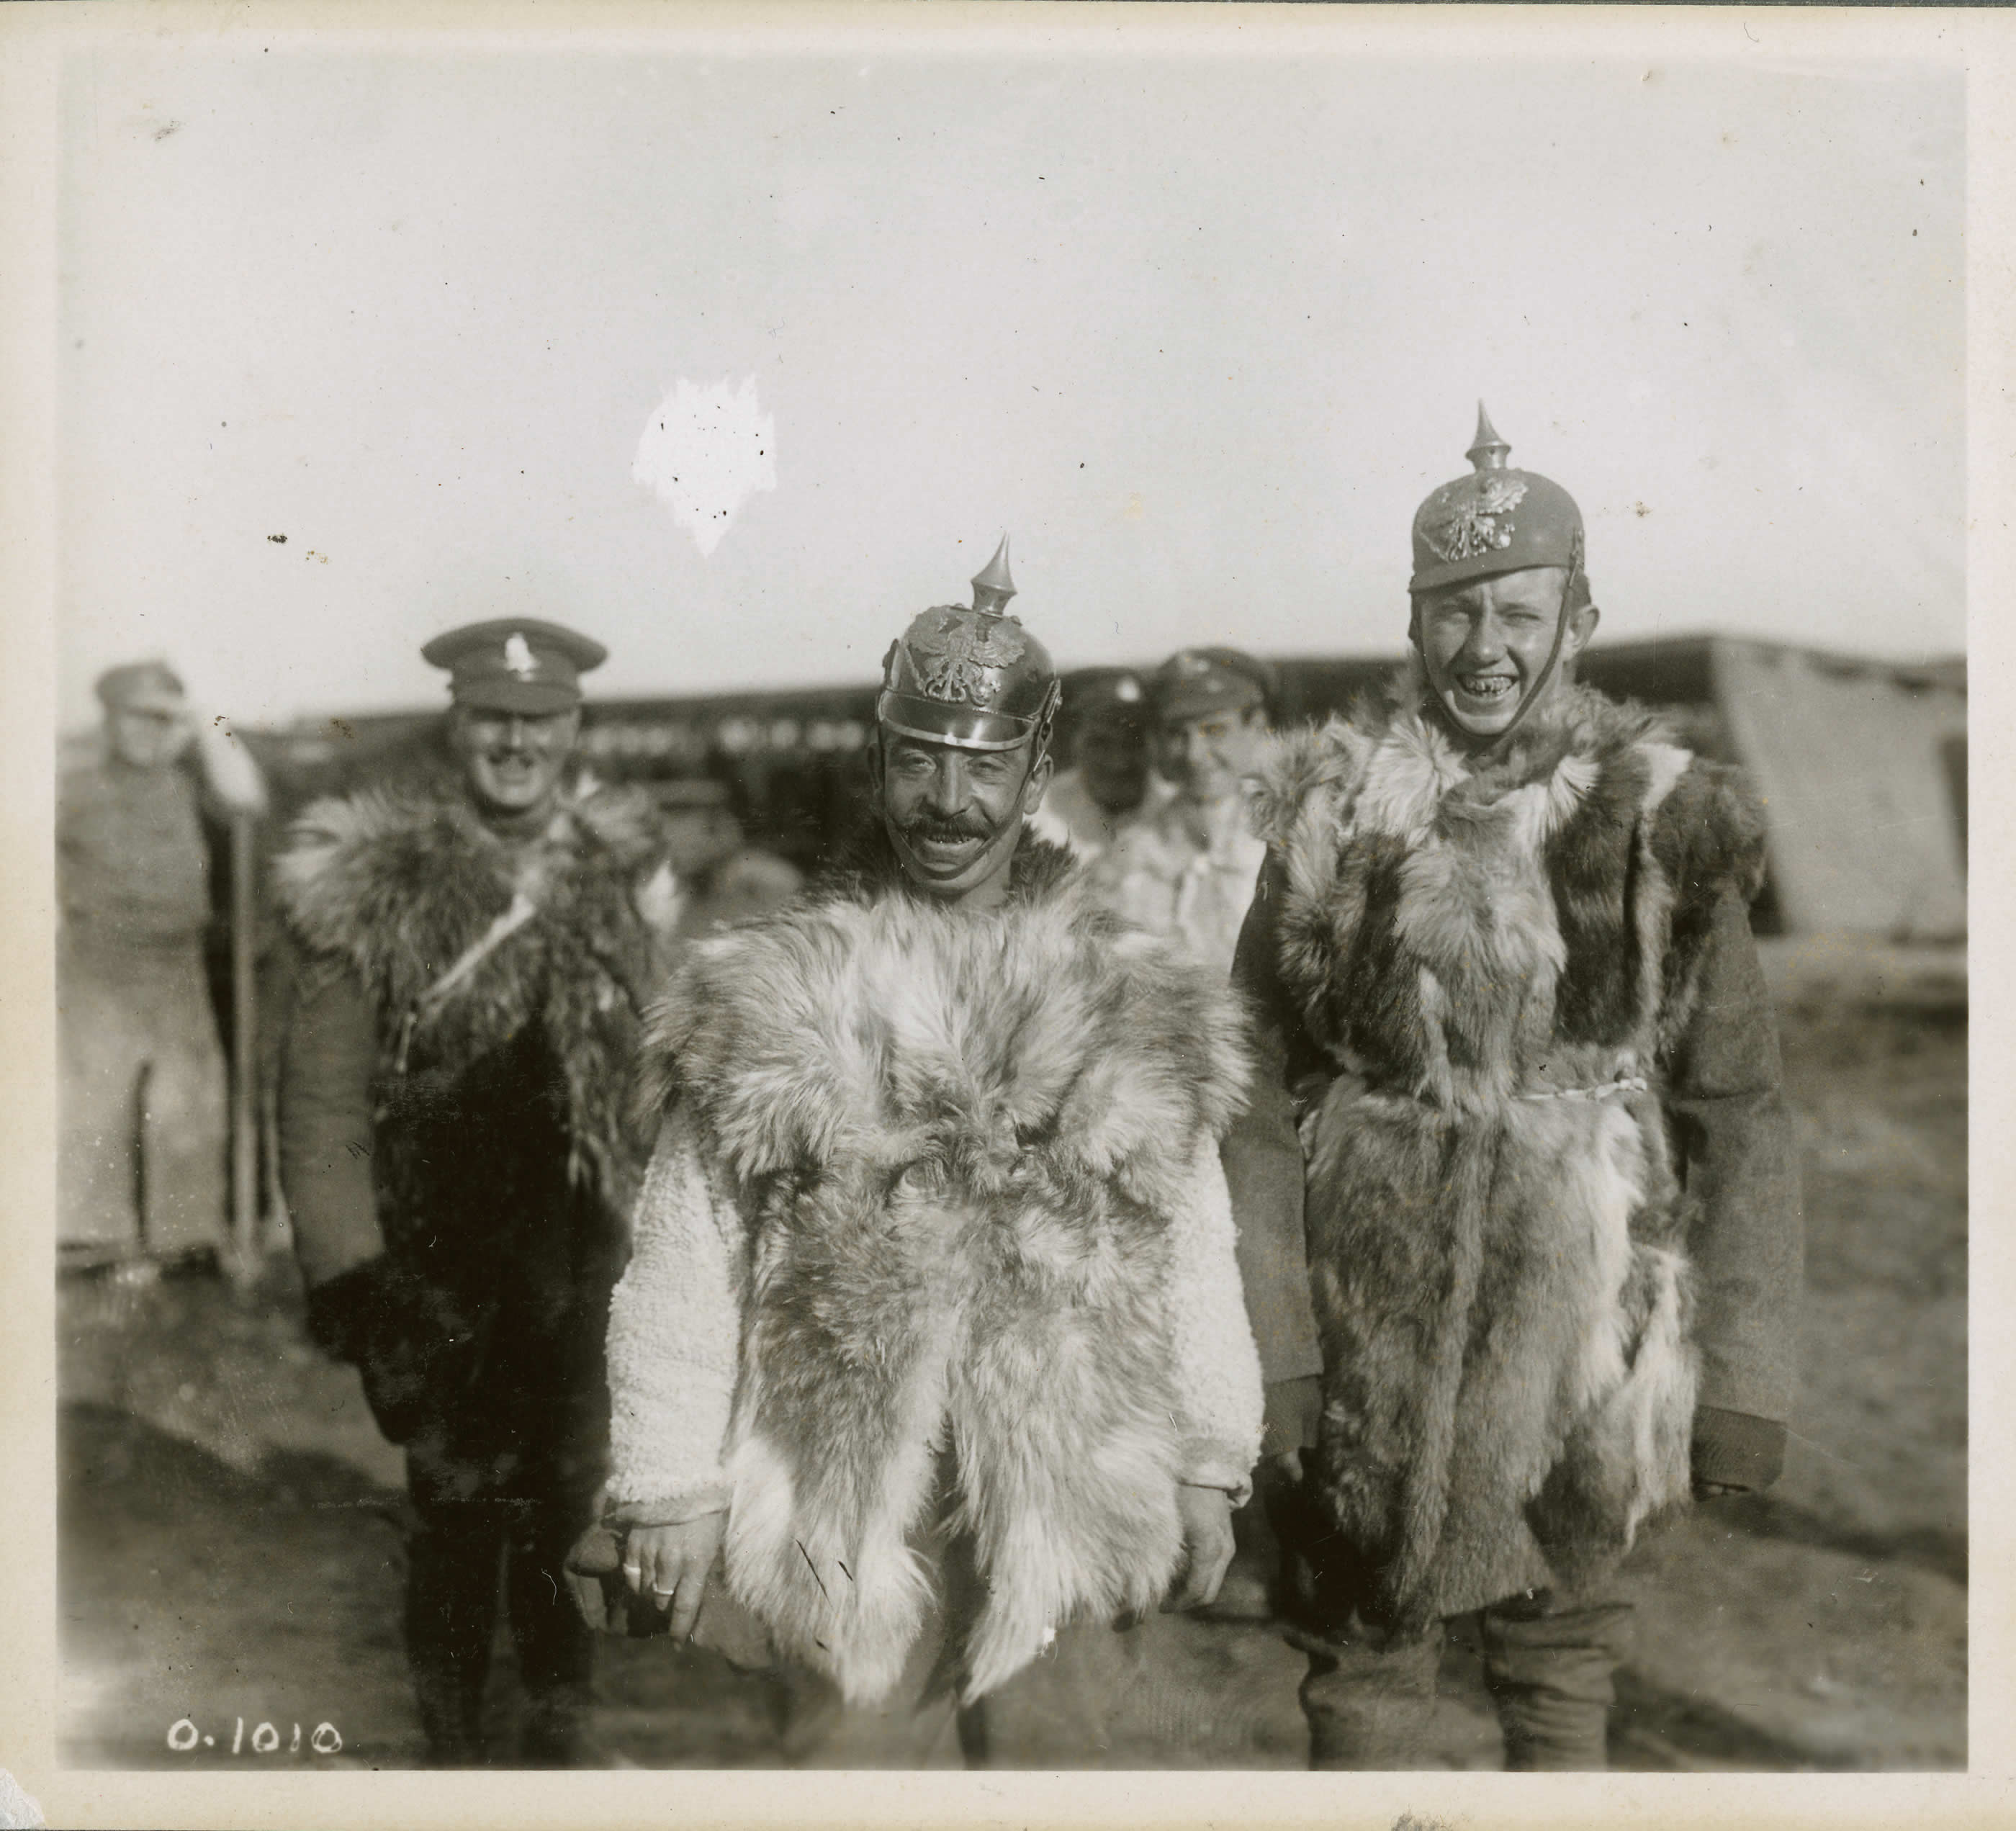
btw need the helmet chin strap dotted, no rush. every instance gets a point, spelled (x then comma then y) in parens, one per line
(1534, 695)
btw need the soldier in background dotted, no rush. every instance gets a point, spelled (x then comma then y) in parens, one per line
(721, 879)
(1186, 864)
(1109, 779)
(144, 1119)
(455, 1153)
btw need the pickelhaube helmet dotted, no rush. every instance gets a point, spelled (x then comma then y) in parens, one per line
(1496, 519)
(970, 676)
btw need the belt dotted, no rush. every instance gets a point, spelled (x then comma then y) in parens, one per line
(1311, 1091)
(1601, 1091)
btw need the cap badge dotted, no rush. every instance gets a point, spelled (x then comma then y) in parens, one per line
(1477, 520)
(952, 661)
(518, 656)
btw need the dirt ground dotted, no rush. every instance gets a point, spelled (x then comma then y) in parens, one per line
(232, 1549)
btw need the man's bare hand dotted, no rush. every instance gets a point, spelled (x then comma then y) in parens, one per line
(1207, 1517)
(590, 1569)
(669, 1564)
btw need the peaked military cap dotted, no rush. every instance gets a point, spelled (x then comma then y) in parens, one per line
(515, 665)
(1193, 683)
(1496, 519)
(1117, 696)
(141, 686)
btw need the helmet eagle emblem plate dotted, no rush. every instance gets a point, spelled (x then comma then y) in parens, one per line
(954, 660)
(1472, 516)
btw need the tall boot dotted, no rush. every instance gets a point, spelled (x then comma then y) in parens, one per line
(1550, 1670)
(555, 1648)
(451, 1714)
(451, 1601)
(1368, 1702)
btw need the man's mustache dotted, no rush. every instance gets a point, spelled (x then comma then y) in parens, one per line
(947, 830)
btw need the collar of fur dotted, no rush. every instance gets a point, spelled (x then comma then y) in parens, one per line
(1578, 727)
(869, 867)
(867, 1024)
(1567, 881)
(363, 875)
(399, 881)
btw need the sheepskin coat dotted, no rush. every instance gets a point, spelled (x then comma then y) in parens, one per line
(494, 1166)
(1495, 968)
(936, 1179)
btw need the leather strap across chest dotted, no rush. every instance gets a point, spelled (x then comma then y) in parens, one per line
(431, 1002)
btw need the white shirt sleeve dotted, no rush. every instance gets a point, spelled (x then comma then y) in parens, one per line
(675, 1340)
(229, 770)
(1218, 1369)
(1131, 879)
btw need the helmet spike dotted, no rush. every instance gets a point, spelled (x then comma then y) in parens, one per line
(1488, 452)
(993, 587)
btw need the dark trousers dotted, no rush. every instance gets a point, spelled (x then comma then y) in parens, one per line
(490, 1533)
(504, 1464)
(1368, 1696)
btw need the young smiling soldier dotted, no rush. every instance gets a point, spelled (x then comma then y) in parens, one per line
(453, 1148)
(933, 1327)
(1519, 1090)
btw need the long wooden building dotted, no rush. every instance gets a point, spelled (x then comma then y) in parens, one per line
(1862, 763)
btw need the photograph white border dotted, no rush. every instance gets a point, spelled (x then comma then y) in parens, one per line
(33, 41)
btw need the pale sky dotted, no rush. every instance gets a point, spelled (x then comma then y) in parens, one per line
(1198, 334)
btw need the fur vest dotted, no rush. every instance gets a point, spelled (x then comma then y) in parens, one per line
(1496, 960)
(957, 1140)
(538, 1041)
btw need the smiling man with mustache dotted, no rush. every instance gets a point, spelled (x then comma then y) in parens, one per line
(933, 1330)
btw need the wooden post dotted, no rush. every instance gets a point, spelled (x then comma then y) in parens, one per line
(245, 1055)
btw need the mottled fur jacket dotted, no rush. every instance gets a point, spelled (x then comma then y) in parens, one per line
(963, 1146)
(1496, 958)
(397, 882)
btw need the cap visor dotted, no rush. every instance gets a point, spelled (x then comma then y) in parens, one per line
(1462, 571)
(159, 705)
(534, 699)
(1202, 700)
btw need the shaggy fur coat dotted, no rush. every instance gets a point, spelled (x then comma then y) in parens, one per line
(396, 884)
(1496, 961)
(936, 1179)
